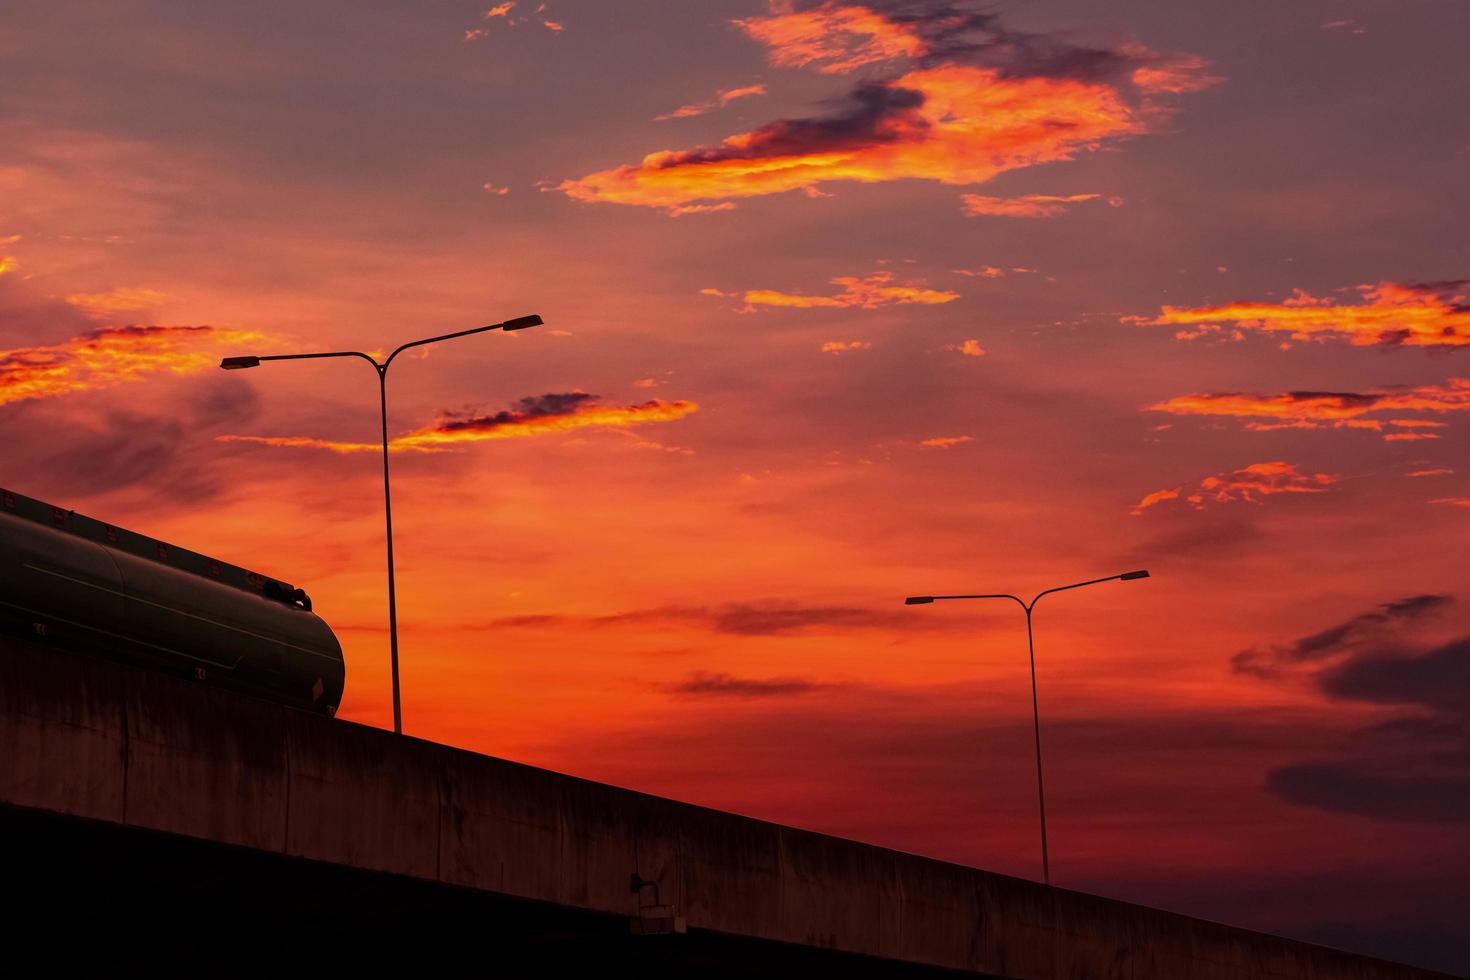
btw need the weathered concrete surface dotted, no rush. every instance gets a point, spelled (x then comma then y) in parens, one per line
(108, 743)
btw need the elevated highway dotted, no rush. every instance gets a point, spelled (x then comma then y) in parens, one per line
(154, 822)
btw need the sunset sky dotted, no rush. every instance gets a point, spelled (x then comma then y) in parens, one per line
(843, 303)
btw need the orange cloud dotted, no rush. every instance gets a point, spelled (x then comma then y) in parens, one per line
(8, 263)
(1328, 409)
(832, 37)
(970, 348)
(503, 11)
(699, 209)
(531, 416)
(1437, 471)
(1423, 315)
(1027, 206)
(1249, 485)
(1176, 75)
(124, 300)
(744, 92)
(1157, 497)
(867, 293)
(843, 347)
(946, 442)
(991, 271)
(955, 125)
(109, 356)
(720, 100)
(979, 102)
(490, 188)
(1453, 501)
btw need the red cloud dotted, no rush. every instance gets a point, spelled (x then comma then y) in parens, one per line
(124, 300)
(945, 442)
(868, 292)
(833, 37)
(109, 356)
(1422, 315)
(1027, 206)
(1249, 485)
(535, 415)
(969, 348)
(974, 101)
(721, 99)
(1328, 409)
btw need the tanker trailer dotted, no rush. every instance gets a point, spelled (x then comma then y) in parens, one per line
(77, 583)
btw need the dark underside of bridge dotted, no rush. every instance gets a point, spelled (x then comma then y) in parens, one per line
(89, 898)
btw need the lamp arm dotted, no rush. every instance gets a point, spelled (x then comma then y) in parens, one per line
(306, 357)
(1064, 588)
(435, 340)
(1001, 595)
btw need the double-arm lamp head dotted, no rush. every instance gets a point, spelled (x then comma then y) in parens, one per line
(381, 367)
(922, 600)
(518, 323)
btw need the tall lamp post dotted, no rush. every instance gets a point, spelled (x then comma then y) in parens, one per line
(239, 363)
(919, 600)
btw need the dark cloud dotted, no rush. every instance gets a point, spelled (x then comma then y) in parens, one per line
(1197, 536)
(1444, 288)
(1342, 399)
(221, 402)
(1358, 786)
(167, 454)
(530, 407)
(1377, 628)
(973, 34)
(870, 114)
(765, 619)
(1438, 679)
(1415, 767)
(718, 685)
(143, 330)
(771, 618)
(123, 450)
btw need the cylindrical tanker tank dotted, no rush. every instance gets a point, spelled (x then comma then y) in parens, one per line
(79, 583)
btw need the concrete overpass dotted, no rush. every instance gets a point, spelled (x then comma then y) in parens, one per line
(154, 822)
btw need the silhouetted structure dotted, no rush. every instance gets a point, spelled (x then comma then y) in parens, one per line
(919, 600)
(250, 361)
(177, 819)
(73, 582)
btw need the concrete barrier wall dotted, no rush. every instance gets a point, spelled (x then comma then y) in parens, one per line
(106, 742)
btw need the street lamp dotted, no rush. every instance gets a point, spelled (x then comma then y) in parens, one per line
(239, 363)
(919, 600)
